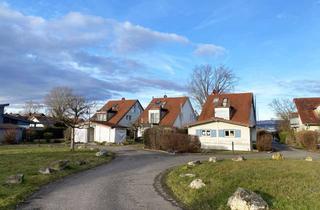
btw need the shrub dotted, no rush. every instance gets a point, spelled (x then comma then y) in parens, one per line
(308, 139)
(283, 136)
(47, 136)
(264, 141)
(168, 139)
(10, 136)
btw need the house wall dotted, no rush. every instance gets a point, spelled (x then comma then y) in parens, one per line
(242, 143)
(134, 112)
(81, 135)
(37, 125)
(186, 116)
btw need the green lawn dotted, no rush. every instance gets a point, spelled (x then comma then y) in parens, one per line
(27, 159)
(287, 184)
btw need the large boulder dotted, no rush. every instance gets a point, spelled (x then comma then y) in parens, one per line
(15, 179)
(197, 184)
(246, 200)
(59, 165)
(102, 153)
(277, 156)
(238, 158)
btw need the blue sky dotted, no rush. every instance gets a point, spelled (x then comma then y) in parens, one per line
(140, 49)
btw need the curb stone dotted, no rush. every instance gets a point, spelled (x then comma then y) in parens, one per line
(163, 191)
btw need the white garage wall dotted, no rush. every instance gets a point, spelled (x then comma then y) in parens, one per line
(242, 143)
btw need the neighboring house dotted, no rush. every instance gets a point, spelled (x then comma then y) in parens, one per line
(227, 121)
(11, 124)
(167, 112)
(111, 123)
(307, 116)
(41, 121)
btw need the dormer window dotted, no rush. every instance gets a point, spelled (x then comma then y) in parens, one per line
(101, 116)
(154, 116)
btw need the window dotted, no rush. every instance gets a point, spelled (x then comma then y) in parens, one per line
(128, 117)
(101, 117)
(154, 118)
(206, 133)
(229, 133)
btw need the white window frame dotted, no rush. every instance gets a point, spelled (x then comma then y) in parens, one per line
(206, 133)
(229, 133)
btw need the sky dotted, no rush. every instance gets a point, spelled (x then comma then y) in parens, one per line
(140, 49)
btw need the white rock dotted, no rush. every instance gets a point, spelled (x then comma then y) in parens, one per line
(197, 184)
(194, 163)
(246, 200)
(102, 152)
(238, 158)
(308, 158)
(187, 175)
(212, 159)
(45, 171)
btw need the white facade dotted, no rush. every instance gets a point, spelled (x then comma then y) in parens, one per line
(224, 136)
(103, 133)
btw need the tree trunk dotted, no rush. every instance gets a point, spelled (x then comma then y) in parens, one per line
(72, 139)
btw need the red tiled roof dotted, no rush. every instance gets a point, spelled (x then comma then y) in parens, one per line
(172, 107)
(240, 103)
(306, 109)
(122, 107)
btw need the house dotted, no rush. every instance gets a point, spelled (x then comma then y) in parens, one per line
(111, 123)
(227, 122)
(41, 121)
(12, 126)
(167, 112)
(307, 116)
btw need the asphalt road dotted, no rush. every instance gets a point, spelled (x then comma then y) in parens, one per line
(125, 183)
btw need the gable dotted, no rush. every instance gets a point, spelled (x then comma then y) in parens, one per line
(172, 107)
(240, 104)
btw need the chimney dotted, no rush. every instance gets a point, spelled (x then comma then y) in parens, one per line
(165, 96)
(123, 99)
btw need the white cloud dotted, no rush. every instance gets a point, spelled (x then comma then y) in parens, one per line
(209, 50)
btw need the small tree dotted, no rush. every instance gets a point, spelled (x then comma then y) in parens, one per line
(205, 80)
(57, 102)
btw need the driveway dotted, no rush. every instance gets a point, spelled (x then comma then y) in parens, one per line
(125, 183)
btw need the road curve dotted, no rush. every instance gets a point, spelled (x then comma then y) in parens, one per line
(125, 183)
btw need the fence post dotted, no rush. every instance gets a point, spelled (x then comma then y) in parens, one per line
(233, 147)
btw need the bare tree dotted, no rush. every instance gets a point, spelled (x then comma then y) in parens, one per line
(78, 109)
(57, 102)
(283, 108)
(206, 80)
(68, 107)
(32, 107)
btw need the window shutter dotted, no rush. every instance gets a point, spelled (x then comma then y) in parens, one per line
(221, 133)
(198, 132)
(213, 133)
(238, 133)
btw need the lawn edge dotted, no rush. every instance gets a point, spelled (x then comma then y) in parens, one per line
(164, 191)
(32, 194)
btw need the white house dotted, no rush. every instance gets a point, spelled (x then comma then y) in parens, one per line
(168, 112)
(307, 116)
(41, 121)
(227, 121)
(111, 123)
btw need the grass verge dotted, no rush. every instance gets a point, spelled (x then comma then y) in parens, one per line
(28, 159)
(288, 184)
